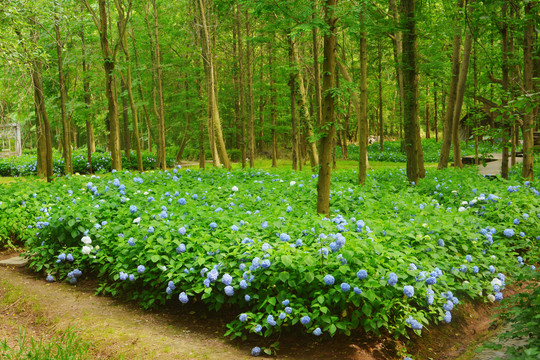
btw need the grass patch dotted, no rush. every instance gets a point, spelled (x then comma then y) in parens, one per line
(66, 346)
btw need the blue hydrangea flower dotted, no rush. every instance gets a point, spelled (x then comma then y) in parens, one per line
(151, 229)
(317, 331)
(213, 225)
(256, 351)
(441, 242)
(285, 302)
(182, 201)
(329, 279)
(243, 317)
(183, 298)
(247, 298)
(49, 278)
(498, 296)
(408, 290)
(288, 310)
(182, 231)
(133, 209)
(265, 264)
(345, 287)
(305, 320)
(468, 258)
(181, 248)
(431, 280)
(226, 279)
(516, 221)
(229, 290)
(131, 277)
(475, 269)
(140, 269)
(492, 269)
(270, 320)
(357, 290)
(362, 274)
(123, 276)
(264, 224)
(131, 242)
(447, 317)
(62, 257)
(392, 279)
(412, 267)
(509, 232)
(258, 328)
(212, 275)
(448, 306)
(284, 237)
(282, 316)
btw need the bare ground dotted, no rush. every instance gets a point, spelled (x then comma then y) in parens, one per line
(120, 330)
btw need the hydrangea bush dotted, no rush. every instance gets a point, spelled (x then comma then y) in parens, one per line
(391, 258)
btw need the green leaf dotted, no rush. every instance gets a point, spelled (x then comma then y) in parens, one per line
(284, 276)
(309, 277)
(287, 260)
(154, 258)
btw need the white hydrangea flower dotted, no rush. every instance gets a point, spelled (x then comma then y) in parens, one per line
(292, 183)
(137, 220)
(86, 240)
(86, 250)
(461, 209)
(234, 188)
(491, 298)
(496, 281)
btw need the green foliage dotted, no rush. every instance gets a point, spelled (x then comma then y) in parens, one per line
(520, 311)
(393, 153)
(162, 221)
(101, 162)
(67, 346)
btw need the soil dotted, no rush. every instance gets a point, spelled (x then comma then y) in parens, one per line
(117, 329)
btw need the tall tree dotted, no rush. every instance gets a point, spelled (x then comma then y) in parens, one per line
(528, 120)
(328, 119)
(214, 126)
(410, 87)
(66, 126)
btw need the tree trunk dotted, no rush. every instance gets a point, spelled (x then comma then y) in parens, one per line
(110, 83)
(528, 120)
(273, 105)
(251, 108)
(505, 83)
(452, 94)
(241, 86)
(90, 139)
(363, 120)
(125, 121)
(207, 55)
(316, 69)
(159, 80)
(435, 115)
(66, 128)
(292, 85)
(410, 83)
(462, 82)
(428, 134)
(381, 118)
(328, 114)
(305, 116)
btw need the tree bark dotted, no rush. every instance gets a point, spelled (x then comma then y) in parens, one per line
(251, 106)
(363, 119)
(410, 83)
(161, 104)
(381, 117)
(328, 113)
(110, 82)
(207, 55)
(528, 119)
(273, 105)
(462, 81)
(292, 85)
(241, 86)
(505, 83)
(66, 128)
(304, 114)
(452, 94)
(316, 69)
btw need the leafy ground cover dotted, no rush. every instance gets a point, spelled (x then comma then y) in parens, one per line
(26, 164)
(393, 258)
(432, 151)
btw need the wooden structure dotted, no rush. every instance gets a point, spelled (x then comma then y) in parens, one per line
(10, 140)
